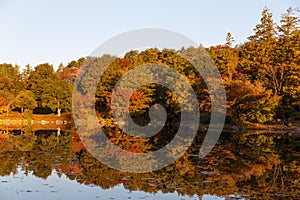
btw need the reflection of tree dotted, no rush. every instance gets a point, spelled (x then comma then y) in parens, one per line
(262, 162)
(24, 142)
(51, 151)
(225, 171)
(9, 163)
(36, 153)
(261, 166)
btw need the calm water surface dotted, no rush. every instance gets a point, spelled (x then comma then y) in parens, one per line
(41, 165)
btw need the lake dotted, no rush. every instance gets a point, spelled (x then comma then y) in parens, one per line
(250, 165)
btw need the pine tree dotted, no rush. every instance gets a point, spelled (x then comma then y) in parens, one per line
(265, 31)
(287, 57)
(229, 40)
(258, 55)
(226, 57)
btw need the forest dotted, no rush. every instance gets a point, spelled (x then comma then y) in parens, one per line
(261, 77)
(262, 83)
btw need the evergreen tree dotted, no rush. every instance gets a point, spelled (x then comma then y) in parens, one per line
(287, 58)
(226, 58)
(257, 55)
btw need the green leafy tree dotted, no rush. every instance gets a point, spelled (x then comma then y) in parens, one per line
(57, 96)
(25, 100)
(10, 84)
(50, 92)
(10, 78)
(40, 80)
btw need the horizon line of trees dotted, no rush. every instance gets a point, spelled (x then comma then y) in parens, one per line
(261, 76)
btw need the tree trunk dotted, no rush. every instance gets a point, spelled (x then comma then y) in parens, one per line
(58, 112)
(58, 109)
(58, 132)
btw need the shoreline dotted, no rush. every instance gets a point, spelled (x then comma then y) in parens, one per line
(65, 120)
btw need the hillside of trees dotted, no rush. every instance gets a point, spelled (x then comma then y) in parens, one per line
(261, 77)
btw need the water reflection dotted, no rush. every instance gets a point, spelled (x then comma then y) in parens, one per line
(29, 187)
(42, 163)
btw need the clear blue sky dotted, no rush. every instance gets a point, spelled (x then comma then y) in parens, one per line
(55, 31)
